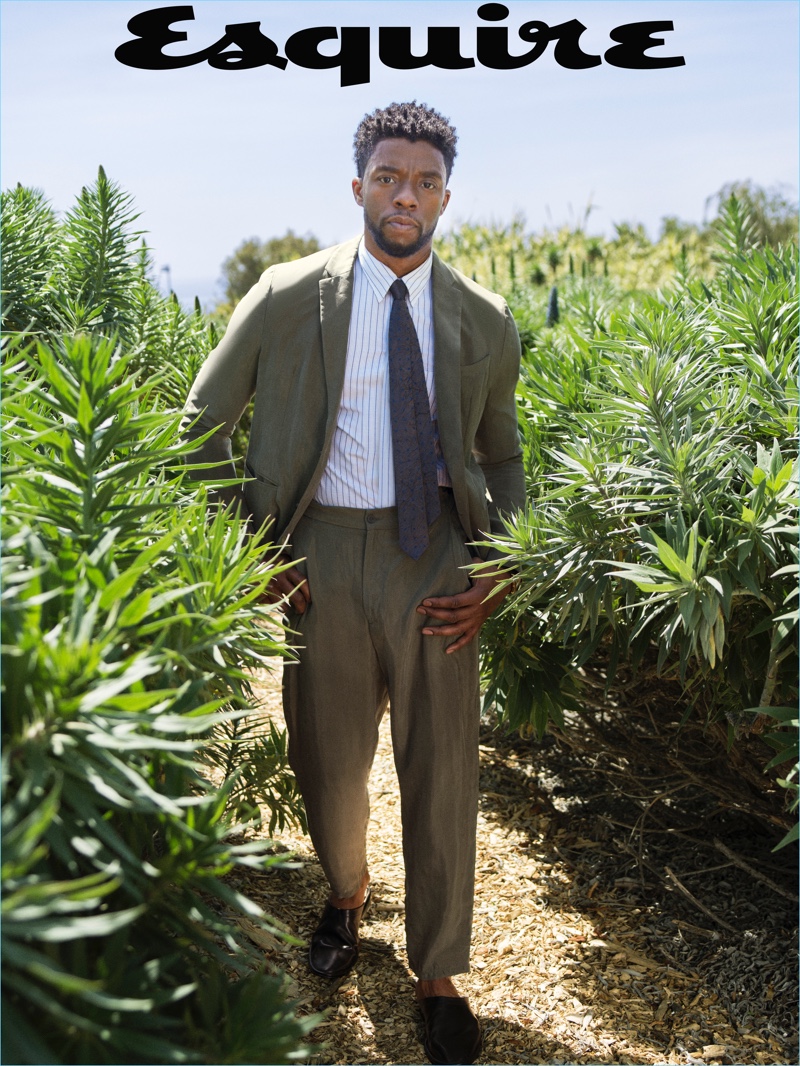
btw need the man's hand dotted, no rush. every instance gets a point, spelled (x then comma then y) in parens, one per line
(465, 613)
(289, 585)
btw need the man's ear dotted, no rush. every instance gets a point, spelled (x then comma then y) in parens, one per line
(357, 186)
(445, 201)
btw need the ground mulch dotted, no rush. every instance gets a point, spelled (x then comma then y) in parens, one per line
(618, 919)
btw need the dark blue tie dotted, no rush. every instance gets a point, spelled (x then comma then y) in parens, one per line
(412, 432)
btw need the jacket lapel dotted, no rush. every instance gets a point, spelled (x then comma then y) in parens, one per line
(335, 305)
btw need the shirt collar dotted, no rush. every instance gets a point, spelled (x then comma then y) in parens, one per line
(381, 277)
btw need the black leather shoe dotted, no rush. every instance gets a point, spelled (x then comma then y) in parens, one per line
(334, 945)
(452, 1033)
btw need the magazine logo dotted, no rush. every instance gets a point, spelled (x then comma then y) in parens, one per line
(243, 46)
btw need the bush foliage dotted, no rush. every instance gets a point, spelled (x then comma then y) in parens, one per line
(131, 622)
(660, 448)
(510, 260)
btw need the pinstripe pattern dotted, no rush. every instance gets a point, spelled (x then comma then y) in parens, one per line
(360, 469)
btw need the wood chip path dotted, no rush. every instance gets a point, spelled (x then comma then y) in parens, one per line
(584, 950)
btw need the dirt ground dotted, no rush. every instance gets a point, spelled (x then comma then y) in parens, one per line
(609, 927)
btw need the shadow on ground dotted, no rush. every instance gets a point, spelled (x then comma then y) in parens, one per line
(691, 949)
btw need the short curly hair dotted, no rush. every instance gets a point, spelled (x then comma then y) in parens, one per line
(416, 122)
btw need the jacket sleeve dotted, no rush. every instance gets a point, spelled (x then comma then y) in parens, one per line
(497, 443)
(224, 387)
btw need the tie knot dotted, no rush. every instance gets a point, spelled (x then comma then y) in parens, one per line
(398, 289)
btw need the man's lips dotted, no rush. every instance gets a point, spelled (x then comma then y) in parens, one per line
(401, 222)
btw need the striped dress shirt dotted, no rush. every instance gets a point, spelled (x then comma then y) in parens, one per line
(360, 470)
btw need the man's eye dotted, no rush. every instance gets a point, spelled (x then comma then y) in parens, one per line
(385, 178)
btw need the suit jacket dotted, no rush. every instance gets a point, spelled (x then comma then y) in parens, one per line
(287, 343)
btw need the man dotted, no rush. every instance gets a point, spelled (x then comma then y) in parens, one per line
(384, 410)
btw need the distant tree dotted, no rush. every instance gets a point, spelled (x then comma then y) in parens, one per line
(243, 269)
(672, 226)
(630, 233)
(774, 215)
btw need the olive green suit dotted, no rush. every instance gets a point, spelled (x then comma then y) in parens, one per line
(287, 343)
(359, 640)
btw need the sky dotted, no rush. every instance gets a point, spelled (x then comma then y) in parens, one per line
(214, 156)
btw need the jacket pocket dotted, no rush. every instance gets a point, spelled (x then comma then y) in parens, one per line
(261, 500)
(250, 472)
(476, 362)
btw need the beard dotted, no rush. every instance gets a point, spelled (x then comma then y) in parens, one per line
(394, 248)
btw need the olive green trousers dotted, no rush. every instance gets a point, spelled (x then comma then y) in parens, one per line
(360, 646)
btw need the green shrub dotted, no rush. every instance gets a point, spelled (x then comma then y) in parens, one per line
(131, 625)
(89, 273)
(29, 239)
(661, 449)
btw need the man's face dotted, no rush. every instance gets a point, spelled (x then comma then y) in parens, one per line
(403, 193)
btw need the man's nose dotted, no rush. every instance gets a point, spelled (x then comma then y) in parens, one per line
(405, 195)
